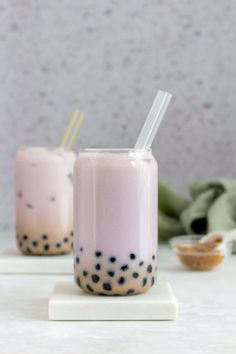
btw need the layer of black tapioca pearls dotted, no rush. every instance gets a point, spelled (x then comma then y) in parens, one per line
(31, 246)
(134, 271)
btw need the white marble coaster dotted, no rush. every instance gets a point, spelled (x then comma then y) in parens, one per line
(69, 303)
(13, 262)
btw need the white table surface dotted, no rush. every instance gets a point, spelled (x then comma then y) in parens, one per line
(206, 322)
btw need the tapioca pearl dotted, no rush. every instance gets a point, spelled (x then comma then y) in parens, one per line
(89, 288)
(28, 205)
(20, 244)
(130, 291)
(111, 273)
(81, 249)
(135, 275)
(46, 247)
(107, 286)
(98, 266)
(52, 198)
(70, 176)
(141, 263)
(71, 244)
(35, 243)
(45, 237)
(125, 267)
(149, 268)
(72, 233)
(153, 280)
(98, 253)
(121, 280)
(78, 281)
(85, 273)
(58, 245)
(32, 164)
(19, 194)
(132, 256)
(144, 282)
(95, 278)
(77, 260)
(112, 259)
(25, 237)
(65, 239)
(28, 250)
(153, 257)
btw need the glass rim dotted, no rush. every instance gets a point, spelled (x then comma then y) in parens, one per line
(50, 149)
(114, 150)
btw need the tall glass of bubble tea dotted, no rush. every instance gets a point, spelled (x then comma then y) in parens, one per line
(44, 200)
(115, 221)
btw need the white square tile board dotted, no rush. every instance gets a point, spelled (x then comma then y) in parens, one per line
(13, 262)
(69, 303)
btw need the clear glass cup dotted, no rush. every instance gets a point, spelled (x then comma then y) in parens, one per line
(44, 200)
(115, 221)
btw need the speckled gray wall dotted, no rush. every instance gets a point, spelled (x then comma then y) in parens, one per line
(109, 58)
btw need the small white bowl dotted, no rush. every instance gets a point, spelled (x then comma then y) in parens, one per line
(196, 260)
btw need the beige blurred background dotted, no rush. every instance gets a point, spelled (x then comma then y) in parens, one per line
(109, 58)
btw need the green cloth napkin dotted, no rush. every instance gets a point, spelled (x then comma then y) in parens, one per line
(213, 207)
(171, 205)
(222, 214)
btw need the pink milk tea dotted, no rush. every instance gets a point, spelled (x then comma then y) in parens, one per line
(44, 200)
(115, 221)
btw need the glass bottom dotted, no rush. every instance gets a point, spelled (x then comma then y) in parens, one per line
(44, 245)
(107, 276)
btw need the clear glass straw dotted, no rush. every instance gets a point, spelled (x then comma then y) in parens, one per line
(153, 120)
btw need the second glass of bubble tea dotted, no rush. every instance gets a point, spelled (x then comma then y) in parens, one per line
(44, 196)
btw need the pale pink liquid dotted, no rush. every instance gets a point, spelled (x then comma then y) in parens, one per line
(44, 200)
(115, 212)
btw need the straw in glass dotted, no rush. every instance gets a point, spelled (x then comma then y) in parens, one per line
(72, 130)
(153, 120)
